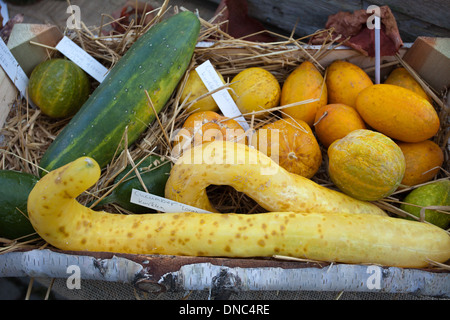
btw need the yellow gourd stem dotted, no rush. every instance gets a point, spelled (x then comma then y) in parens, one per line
(349, 238)
(253, 173)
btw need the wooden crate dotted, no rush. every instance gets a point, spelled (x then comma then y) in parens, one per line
(220, 276)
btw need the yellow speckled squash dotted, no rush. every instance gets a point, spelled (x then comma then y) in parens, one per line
(334, 236)
(398, 113)
(366, 165)
(345, 81)
(251, 172)
(302, 84)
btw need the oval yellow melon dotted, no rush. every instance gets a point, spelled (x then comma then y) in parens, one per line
(194, 89)
(398, 113)
(423, 161)
(255, 90)
(345, 81)
(304, 83)
(366, 165)
(401, 77)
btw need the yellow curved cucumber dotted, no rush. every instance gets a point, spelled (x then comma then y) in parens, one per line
(250, 171)
(348, 238)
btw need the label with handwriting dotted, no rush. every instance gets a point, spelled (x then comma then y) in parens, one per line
(81, 58)
(161, 204)
(223, 98)
(12, 68)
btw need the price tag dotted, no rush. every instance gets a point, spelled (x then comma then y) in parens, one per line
(80, 57)
(161, 204)
(13, 69)
(223, 99)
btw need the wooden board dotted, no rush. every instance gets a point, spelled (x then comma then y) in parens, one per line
(8, 94)
(414, 18)
(26, 53)
(430, 58)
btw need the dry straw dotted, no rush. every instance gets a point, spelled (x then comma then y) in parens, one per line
(27, 133)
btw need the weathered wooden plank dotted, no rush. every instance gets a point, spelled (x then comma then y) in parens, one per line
(27, 54)
(434, 12)
(430, 58)
(414, 18)
(8, 93)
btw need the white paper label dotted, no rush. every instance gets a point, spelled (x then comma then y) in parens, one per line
(161, 204)
(4, 12)
(223, 99)
(81, 58)
(12, 68)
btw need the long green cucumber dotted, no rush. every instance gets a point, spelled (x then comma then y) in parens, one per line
(15, 186)
(156, 62)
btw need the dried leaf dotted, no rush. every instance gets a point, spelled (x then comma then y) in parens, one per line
(352, 28)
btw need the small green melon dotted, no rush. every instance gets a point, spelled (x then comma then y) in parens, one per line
(432, 194)
(58, 87)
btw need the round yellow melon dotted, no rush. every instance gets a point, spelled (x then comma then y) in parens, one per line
(195, 92)
(366, 165)
(255, 90)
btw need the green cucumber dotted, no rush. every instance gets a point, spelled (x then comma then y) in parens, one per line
(15, 187)
(156, 62)
(154, 172)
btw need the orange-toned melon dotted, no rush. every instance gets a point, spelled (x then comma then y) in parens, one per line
(335, 121)
(302, 84)
(423, 161)
(207, 126)
(345, 81)
(401, 77)
(292, 144)
(398, 113)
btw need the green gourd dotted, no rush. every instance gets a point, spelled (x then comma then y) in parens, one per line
(58, 87)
